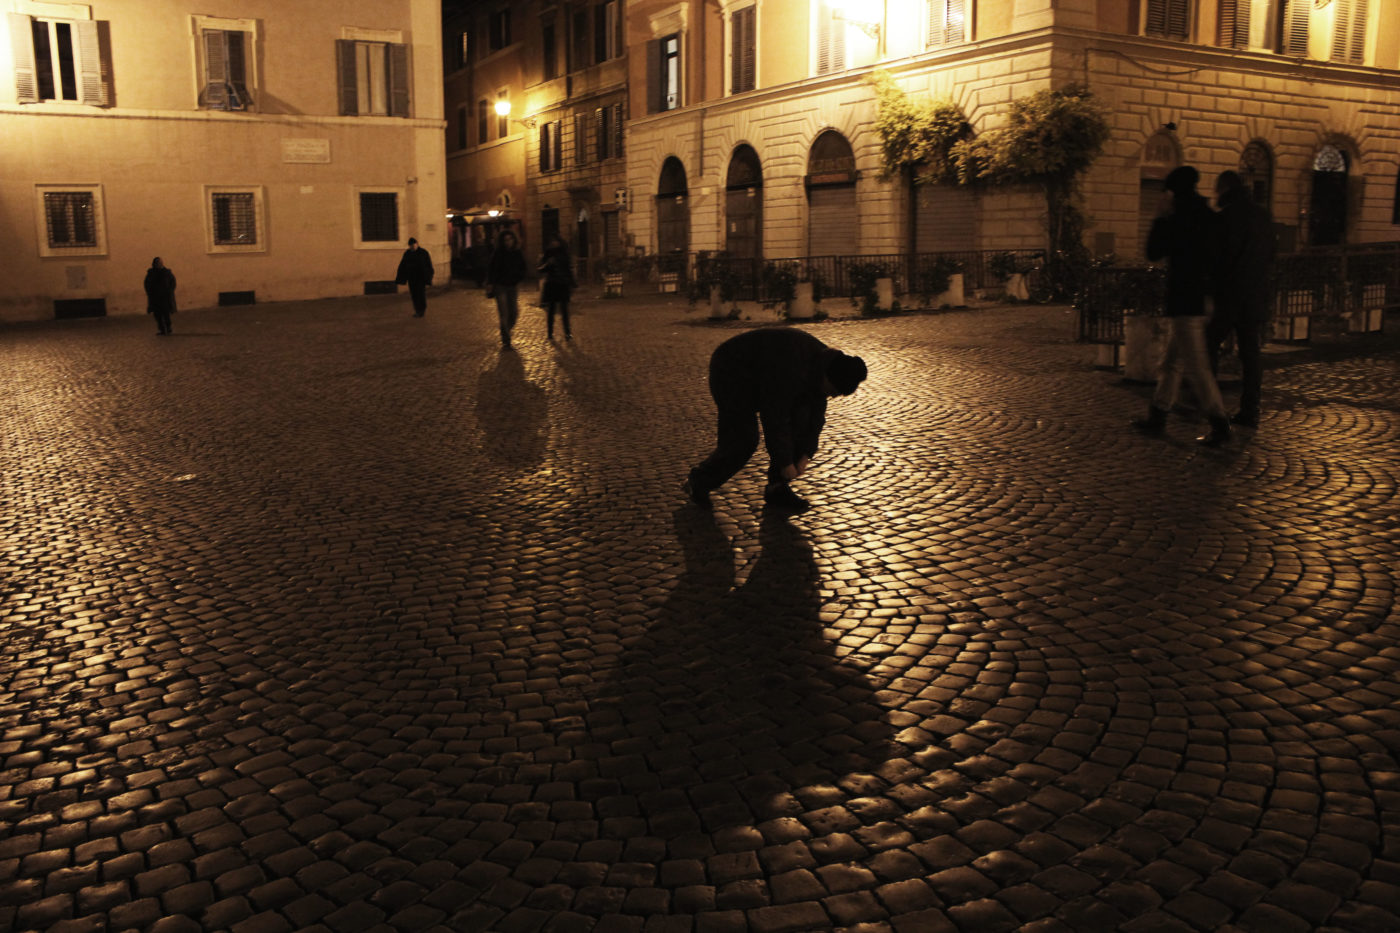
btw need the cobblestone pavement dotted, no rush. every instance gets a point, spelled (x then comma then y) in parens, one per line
(322, 617)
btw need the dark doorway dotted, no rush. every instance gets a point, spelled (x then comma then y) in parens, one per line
(743, 205)
(831, 196)
(1327, 210)
(672, 210)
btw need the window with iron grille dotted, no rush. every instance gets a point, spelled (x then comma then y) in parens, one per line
(1167, 19)
(71, 219)
(379, 216)
(235, 219)
(57, 59)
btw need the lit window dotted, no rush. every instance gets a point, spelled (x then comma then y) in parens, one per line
(70, 219)
(947, 23)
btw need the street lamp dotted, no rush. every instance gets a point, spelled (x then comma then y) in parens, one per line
(503, 110)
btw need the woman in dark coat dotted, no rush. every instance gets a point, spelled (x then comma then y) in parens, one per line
(160, 294)
(558, 271)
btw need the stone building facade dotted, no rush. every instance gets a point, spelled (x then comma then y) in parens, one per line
(753, 132)
(265, 150)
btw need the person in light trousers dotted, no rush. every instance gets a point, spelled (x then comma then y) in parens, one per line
(1186, 234)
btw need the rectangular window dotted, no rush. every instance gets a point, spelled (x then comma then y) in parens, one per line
(379, 217)
(57, 59)
(373, 78)
(483, 121)
(462, 121)
(549, 43)
(602, 126)
(70, 218)
(462, 50)
(225, 70)
(500, 29)
(605, 31)
(742, 42)
(503, 119)
(1349, 31)
(1167, 19)
(233, 220)
(550, 146)
(578, 40)
(1233, 24)
(580, 139)
(947, 23)
(831, 38)
(1297, 17)
(669, 96)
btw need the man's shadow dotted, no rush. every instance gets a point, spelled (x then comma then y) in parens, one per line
(511, 412)
(738, 693)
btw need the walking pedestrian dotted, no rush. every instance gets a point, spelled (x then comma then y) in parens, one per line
(1243, 288)
(558, 270)
(784, 377)
(503, 275)
(160, 295)
(1184, 233)
(416, 271)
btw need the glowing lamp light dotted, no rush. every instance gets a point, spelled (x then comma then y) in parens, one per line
(502, 108)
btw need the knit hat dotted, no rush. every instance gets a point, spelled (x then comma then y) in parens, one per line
(1182, 180)
(845, 373)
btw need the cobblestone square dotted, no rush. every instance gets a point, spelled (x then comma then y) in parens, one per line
(321, 617)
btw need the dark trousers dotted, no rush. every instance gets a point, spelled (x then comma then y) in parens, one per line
(162, 321)
(1249, 335)
(419, 292)
(563, 308)
(736, 443)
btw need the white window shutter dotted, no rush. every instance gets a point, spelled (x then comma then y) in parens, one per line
(92, 78)
(215, 94)
(22, 47)
(1295, 41)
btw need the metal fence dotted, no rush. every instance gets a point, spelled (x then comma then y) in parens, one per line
(769, 280)
(1330, 282)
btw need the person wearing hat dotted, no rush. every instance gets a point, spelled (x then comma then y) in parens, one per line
(1185, 234)
(416, 271)
(780, 378)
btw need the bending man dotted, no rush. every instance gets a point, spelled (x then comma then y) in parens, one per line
(782, 378)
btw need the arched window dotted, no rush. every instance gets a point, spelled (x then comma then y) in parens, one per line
(743, 204)
(672, 209)
(831, 196)
(1257, 171)
(1327, 207)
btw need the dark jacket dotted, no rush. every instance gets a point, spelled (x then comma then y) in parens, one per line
(160, 291)
(507, 266)
(415, 268)
(780, 373)
(1187, 238)
(558, 270)
(1246, 259)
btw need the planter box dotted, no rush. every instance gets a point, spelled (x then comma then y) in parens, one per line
(884, 294)
(1144, 341)
(612, 286)
(1016, 287)
(954, 297)
(1291, 329)
(1365, 321)
(803, 307)
(669, 281)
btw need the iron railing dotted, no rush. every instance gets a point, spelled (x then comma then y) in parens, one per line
(1318, 282)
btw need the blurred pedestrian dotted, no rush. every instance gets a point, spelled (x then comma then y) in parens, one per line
(1243, 288)
(416, 271)
(558, 270)
(160, 294)
(784, 377)
(503, 276)
(1185, 234)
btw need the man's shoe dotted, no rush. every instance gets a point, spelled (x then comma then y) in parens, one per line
(1245, 419)
(1219, 433)
(781, 496)
(697, 495)
(1154, 424)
